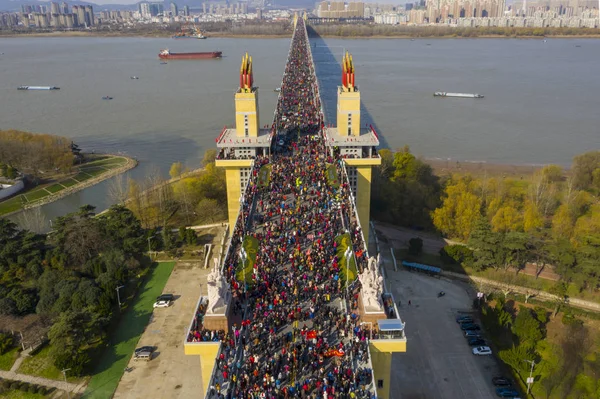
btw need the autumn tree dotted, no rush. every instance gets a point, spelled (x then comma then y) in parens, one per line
(584, 170)
(506, 219)
(459, 211)
(176, 170)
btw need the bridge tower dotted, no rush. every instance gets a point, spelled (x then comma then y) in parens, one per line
(239, 146)
(356, 144)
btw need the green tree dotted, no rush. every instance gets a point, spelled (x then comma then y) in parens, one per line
(527, 328)
(404, 164)
(209, 211)
(532, 220)
(514, 248)
(583, 169)
(514, 358)
(486, 245)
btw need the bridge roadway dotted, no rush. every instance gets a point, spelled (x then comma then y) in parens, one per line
(297, 333)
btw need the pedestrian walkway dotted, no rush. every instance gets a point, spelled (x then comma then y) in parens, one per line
(13, 375)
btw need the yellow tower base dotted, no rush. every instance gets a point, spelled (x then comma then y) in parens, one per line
(363, 189)
(233, 178)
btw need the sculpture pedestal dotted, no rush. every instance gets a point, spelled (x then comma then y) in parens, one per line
(370, 314)
(217, 320)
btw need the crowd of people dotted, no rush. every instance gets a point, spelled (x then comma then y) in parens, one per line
(299, 333)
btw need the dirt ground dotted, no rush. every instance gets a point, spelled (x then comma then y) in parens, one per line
(443, 167)
(170, 373)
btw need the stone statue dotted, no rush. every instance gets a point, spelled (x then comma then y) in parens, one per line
(218, 289)
(372, 285)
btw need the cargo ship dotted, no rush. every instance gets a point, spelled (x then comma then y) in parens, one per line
(460, 95)
(38, 88)
(167, 55)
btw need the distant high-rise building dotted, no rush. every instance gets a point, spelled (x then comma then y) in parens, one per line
(203, 8)
(144, 8)
(259, 13)
(64, 8)
(174, 10)
(89, 16)
(54, 8)
(186, 10)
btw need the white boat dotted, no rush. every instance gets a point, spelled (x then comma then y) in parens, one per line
(134, 77)
(38, 88)
(460, 95)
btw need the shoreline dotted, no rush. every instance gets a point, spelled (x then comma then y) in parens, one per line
(129, 164)
(286, 36)
(477, 168)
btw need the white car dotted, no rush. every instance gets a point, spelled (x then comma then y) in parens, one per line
(163, 303)
(482, 351)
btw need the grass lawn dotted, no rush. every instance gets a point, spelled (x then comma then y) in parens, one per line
(7, 360)
(109, 162)
(36, 195)
(111, 365)
(82, 177)
(68, 182)
(55, 188)
(94, 171)
(41, 365)
(18, 394)
(11, 205)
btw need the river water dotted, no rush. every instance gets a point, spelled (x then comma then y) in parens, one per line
(540, 105)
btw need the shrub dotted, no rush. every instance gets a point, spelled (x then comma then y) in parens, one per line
(415, 246)
(541, 314)
(32, 389)
(14, 385)
(6, 343)
(23, 386)
(42, 391)
(6, 384)
(456, 254)
(569, 320)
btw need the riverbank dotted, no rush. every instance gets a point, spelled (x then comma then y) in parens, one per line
(480, 168)
(89, 174)
(227, 35)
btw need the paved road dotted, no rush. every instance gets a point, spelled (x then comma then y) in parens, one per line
(438, 363)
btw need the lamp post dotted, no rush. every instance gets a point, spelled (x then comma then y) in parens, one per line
(149, 249)
(118, 296)
(347, 255)
(530, 379)
(64, 372)
(244, 256)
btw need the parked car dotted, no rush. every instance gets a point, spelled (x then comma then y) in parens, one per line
(476, 342)
(465, 327)
(163, 301)
(501, 382)
(143, 355)
(145, 349)
(464, 319)
(472, 334)
(506, 392)
(482, 351)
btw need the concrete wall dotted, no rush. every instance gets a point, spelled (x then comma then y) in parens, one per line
(8, 190)
(247, 104)
(233, 179)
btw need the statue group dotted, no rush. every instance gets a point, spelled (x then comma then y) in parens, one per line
(372, 284)
(218, 289)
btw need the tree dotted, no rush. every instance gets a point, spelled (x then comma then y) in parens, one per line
(415, 246)
(209, 211)
(562, 222)
(486, 245)
(514, 358)
(176, 170)
(404, 164)
(532, 220)
(514, 248)
(527, 328)
(459, 211)
(209, 157)
(583, 169)
(506, 219)
(117, 190)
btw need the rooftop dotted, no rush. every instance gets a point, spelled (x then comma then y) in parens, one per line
(368, 137)
(229, 138)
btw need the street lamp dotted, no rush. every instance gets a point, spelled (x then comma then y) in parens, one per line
(149, 249)
(347, 255)
(530, 379)
(244, 256)
(118, 296)
(64, 372)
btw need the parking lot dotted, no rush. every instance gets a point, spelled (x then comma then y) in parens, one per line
(438, 363)
(170, 373)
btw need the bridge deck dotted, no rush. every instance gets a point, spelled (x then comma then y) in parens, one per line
(293, 261)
